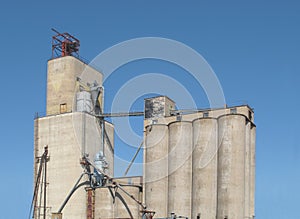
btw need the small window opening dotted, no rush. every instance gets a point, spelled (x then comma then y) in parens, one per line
(233, 111)
(63, 108)
(178, 118)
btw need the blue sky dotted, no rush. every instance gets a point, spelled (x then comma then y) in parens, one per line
(253, 47)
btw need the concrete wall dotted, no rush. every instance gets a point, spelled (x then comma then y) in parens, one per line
(61, 82)
(247, 168)
(104, 203)
(67, 140)
(252, 170)
(114, 203)
(125, 206)
(64, 152)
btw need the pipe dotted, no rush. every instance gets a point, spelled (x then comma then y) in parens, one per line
(45, 183)
(83, 141)
(131, 196)
(121, 114)
(76, 186)
(102, 129)
(132, 160)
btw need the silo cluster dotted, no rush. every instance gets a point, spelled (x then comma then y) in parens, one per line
(201, 164)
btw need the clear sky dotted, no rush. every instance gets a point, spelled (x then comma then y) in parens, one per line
(252, 46)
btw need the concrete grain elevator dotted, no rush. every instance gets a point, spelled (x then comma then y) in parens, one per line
(198, 164)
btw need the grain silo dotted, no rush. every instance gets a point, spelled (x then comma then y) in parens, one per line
(211, 161)
(156, 168)
(231, 166)
(205, 146)
(180, 168)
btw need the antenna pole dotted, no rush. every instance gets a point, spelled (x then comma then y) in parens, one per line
(64, 44)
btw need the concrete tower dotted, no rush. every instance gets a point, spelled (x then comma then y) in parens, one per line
(70, 131)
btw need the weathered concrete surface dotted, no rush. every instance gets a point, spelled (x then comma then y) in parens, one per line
(205, 147)
(180, 168)
(247, 171)
(231, 170)
(125, 206)
(156, 169)
(104, 203)
(158, 107)
(252, 170)
(61, 82)
(231, 167)
(66, 140)
(69, 135)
